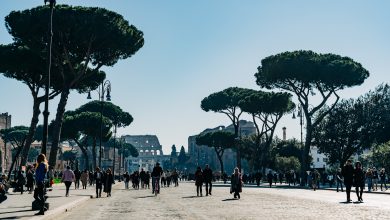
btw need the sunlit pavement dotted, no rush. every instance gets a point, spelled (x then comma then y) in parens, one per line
(255, 203)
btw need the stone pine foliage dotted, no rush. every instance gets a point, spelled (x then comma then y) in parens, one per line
(16, 136)
(219, 141)
(355, 125)
(84, 40)
(307, 74)
(266, 109)
(113, 112)
(85, 129)
(83, 125)
(227, 102)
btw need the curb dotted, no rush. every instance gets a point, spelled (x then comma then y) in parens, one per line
(64, 208)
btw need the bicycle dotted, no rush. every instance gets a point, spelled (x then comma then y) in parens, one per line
(156, 185)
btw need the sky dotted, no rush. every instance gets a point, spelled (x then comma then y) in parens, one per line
(195, 48)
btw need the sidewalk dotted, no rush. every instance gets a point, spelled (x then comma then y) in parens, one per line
(18, 206)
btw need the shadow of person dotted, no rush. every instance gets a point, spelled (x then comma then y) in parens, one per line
(189, 197)
(231, 199)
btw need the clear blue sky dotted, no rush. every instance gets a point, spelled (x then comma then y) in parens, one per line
(194, 48)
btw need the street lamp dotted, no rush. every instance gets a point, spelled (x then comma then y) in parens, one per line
(300, 115)
(46, 113)
(113, 161)
(104, 88)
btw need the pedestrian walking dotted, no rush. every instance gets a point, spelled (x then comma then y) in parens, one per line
(50, 176)
(359, 180)
(236, 183)
(369, 179)
(91, 178)
(258, 178)
(126, 178)
(375, 177)
(109, 180)
(147, 180)
(348, 173)
(382, 177)
(30, 180)
(98, 177)
(21, 181)
(208, 178)
(68, 177)
(199, 181)
(40, 173)
(3, 197)
(77, 174)
(270, 177)
(339, 180)
(315, 179)
(84, 178)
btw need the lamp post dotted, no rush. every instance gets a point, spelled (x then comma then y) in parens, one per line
(46, 113)
(300, 115)
(104, 88)
(113, 161)
(120, 159)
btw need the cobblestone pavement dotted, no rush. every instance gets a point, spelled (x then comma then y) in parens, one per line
(255, 203)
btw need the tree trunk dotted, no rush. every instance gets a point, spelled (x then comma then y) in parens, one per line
(57, 126)
(31, 131)
(94, 153)
(85, 153)
(238, 150)
(14, 161)
(221, 164)
(306, 150)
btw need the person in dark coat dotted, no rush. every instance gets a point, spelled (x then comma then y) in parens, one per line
(108, 181)
(236, 183)
(30, 180)
(359, 180)
(258, 178)
(208, 177)
(199, 181)
(21, 181)
(270, 177)
(98, 176)
(348, 173)
(77, 174)
(339, 180)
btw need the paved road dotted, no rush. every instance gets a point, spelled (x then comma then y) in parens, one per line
(255, 203)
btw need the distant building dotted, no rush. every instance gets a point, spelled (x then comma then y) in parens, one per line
(149, 149)
(319, 159)
(5, 149)
(201, 155)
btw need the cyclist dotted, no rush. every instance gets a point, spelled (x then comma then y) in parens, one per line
(156, 174)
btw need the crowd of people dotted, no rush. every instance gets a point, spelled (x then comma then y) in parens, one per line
(40, 176)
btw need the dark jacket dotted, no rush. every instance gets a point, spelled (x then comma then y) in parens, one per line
(358, 178)
(207, 175)
(157, 171)
(198, 178)
(348, 173)
(99, 181)
(108, 181)
(236, 183)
